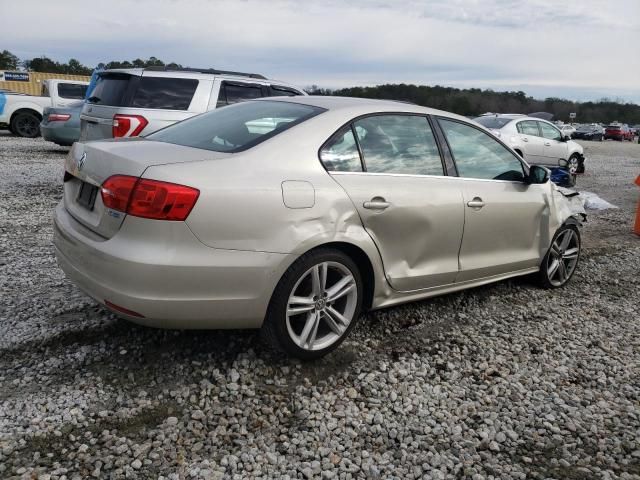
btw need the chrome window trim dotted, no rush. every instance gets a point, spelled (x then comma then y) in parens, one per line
(448, 177)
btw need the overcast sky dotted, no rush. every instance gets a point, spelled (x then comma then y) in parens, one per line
(578, 49)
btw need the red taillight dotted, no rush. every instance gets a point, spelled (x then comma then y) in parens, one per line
(116, 191)
(58, 117)
(128, 125)
(146, 198)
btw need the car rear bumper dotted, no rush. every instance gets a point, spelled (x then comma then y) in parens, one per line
(160, 271)
(60, 134)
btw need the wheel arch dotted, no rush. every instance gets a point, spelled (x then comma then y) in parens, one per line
(25, 110)
(362, 260)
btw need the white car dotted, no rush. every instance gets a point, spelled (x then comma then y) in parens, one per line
(567, 129)
(23, 113)
(539, 142)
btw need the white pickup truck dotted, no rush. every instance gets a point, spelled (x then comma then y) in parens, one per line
(22, 113)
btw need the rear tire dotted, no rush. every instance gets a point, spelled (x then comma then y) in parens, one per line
(26, 124)
(561, 261)
(315, 305)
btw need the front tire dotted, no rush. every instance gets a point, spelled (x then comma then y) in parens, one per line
(560, 262)
(315, 305)
(573, 165)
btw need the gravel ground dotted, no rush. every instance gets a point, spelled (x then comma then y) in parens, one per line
(500, 382)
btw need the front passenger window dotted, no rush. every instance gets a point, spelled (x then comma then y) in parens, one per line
(552, 133)
(478, 155)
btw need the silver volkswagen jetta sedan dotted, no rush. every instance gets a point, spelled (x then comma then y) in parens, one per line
(296, 214)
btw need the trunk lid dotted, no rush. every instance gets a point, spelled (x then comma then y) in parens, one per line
(89, 165)
(96, 122)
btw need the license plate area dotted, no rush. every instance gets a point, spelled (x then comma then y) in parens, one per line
(87, 195)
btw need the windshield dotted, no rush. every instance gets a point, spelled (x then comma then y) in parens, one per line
(236, 127)
(493, 122)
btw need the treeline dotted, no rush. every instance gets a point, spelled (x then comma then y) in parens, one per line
(9, 61)
(469, 102)
(474, 101)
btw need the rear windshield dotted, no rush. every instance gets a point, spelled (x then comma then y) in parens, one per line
(236, 127)
(73, 91)
(493, 122)
(111, 89)
(124, 90)
(614, 127)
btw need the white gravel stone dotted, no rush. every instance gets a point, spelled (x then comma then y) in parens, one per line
(506, 381)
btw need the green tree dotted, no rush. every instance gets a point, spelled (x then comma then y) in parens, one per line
(43, 64)
(8, 61)
(74, 67)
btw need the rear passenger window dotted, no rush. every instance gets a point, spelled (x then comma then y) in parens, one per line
(236, 92)
(528, 127)
(72, 91)
(277, 91)
(398, 144)
(165, 93)
(479, 155)
(340, 153)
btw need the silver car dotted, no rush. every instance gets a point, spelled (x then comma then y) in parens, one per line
(134, 102)
(297, 214)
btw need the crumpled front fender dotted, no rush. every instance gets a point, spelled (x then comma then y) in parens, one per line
(569, 206)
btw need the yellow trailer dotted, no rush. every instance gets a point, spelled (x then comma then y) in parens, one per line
(31, 82)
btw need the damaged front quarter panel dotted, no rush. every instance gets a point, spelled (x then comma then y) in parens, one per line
(568, 205)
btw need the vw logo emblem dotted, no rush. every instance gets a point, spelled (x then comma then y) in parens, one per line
(81, 160)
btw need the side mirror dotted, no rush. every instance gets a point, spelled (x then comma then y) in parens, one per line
(538, 175)
(566, 138)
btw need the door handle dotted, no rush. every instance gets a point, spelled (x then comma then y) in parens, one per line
(475, 203)
(548, 144)
(376, 203)
(525, 139)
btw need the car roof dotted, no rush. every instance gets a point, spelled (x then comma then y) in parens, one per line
(520, 116)
(357, 104)
(200, 74)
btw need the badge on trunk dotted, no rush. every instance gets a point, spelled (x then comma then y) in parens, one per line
(80, 161)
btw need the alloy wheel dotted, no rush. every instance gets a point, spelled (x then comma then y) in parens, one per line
(321, 306)
(26, 126)
(563, 257)
(573, 165)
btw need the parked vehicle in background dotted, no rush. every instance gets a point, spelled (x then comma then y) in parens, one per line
(137, 101)
(61, 125)
(538, 141)
(567, 129)
(618, 131)
(343, 205)
(589, 132)
(22, 113)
